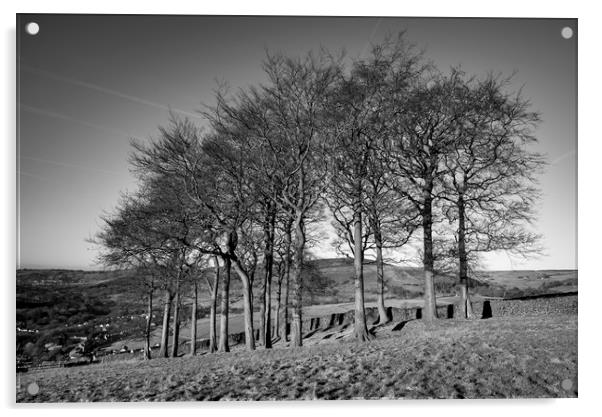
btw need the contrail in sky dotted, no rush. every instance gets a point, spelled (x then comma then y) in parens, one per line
(37, 177)
(61, 116)
(563, 157)
(62, 164)
(95, 87)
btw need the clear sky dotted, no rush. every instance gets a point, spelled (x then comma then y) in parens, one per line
(87, 84)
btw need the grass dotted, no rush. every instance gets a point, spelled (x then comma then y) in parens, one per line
(522, 357)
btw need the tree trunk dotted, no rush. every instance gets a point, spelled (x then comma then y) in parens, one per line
(383, 317)
(296, 284)
(465, 304)
(278, 303)
(360, 331)
(176, 322)
(213, 310)
(251, 275)
(248, 309)
(268, 313)
(147, 330)
(223, 329)
(285, 325)
(265, 330)
(287, 271)
(165, 328)
(262, 313)
(193, 320)
(430, 309)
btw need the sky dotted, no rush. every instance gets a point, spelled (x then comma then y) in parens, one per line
(88, 84)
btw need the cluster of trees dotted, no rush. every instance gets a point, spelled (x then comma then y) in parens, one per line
(387, 146)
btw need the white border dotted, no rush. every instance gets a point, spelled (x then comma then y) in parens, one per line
(589, 195)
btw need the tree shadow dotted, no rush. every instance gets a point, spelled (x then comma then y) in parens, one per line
(400, 326)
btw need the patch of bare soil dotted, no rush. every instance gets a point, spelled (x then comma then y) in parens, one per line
(505, 357)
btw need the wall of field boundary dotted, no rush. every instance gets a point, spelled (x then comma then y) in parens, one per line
(565, 303)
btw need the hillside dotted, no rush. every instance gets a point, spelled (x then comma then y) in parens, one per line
(507, 357)
(57, 309)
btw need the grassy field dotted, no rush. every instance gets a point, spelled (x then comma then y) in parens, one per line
(509, 357)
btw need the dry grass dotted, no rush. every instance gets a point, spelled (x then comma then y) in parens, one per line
(496, 358)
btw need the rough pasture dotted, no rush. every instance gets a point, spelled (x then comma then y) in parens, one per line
(501, 357)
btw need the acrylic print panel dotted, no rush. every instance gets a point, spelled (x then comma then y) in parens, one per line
(295, 208)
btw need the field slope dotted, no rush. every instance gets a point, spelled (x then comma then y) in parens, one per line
(505, 357)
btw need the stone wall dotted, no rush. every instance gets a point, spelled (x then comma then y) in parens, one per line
(543, 304)
(527, 306)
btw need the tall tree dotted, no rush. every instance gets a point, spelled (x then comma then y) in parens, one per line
(354, 109)
(209, 174)
(295, 100)
(421, 132)
(247, 118)
(357, 110)
(491, 181)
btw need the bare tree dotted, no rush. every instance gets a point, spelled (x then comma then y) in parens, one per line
(357, 110)
(178, 224)
(208, 173)
(421, 133)
(294, 101)
(280, 126)
(491, 181)
(136, 235)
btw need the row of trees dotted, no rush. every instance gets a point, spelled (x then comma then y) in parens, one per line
(387, 147)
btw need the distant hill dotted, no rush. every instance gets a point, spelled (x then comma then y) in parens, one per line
(328, 280)
(61, 308)
(58, 277)
(406, 282)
